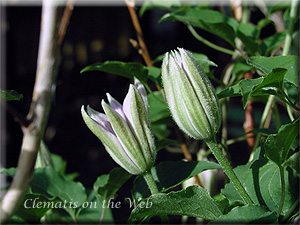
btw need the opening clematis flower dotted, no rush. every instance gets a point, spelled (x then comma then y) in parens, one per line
(125, 130)
(190, 95)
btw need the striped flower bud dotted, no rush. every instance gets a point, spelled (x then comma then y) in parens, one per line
(125, 130)
(190, 95)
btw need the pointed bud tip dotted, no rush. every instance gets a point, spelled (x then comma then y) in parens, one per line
(103, 103)
(109, 97)
(82, 110)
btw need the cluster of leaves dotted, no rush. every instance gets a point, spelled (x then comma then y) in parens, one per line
(10, 95)
(55, 196)
(271, 177)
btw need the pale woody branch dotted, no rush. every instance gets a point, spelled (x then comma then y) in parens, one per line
(41, 101)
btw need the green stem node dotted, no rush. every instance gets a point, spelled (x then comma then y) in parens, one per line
(212, 144)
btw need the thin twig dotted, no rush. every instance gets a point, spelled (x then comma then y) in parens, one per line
(237, 7)
(39, 110)
(65, 20)
(144, 51)
(18, 117)
(140, 45)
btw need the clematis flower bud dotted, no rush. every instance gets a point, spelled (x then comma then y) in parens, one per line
(125, 130)
(190, 95)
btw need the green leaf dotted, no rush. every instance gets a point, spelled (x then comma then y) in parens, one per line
(194, 201)
(258, 87)
(261, 179)
(34, 207)
(277, 146)
(231, 91)
(154, 74)
(158, 110)
(277, 5)
(50, 183)
(165, 177)
(240, 67)
(160, 144)
(44, 158)
(254, 214)
(15, 220)
(93, 210)
(270, 84)
(266, 64)
(293, 162)
(108, 184)
(262, 23)
(8, 171)
(60, 165)
(160, 130)
(10, 95)
(246, 87)
(128, 70)
(209, 20)
(272, 42)
(158, 4)
(273, 79)
(248, 35)
(204, 61)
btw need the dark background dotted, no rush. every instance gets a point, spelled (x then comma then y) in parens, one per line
(95, 34)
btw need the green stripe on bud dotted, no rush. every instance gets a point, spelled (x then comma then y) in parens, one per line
(125, 130)
(190, 95)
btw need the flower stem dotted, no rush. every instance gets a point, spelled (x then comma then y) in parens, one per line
(154, 190)
(212, 144)
(151, 183)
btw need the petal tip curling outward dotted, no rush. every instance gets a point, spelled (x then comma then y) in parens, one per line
(96, 126)
(116, 106)
(111, 143)
(140, 87)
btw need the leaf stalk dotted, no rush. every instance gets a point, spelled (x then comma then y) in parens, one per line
(208, 43)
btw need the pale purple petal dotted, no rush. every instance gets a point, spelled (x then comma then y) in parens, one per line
(127, 104)
(101, 119)
(116, 106)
